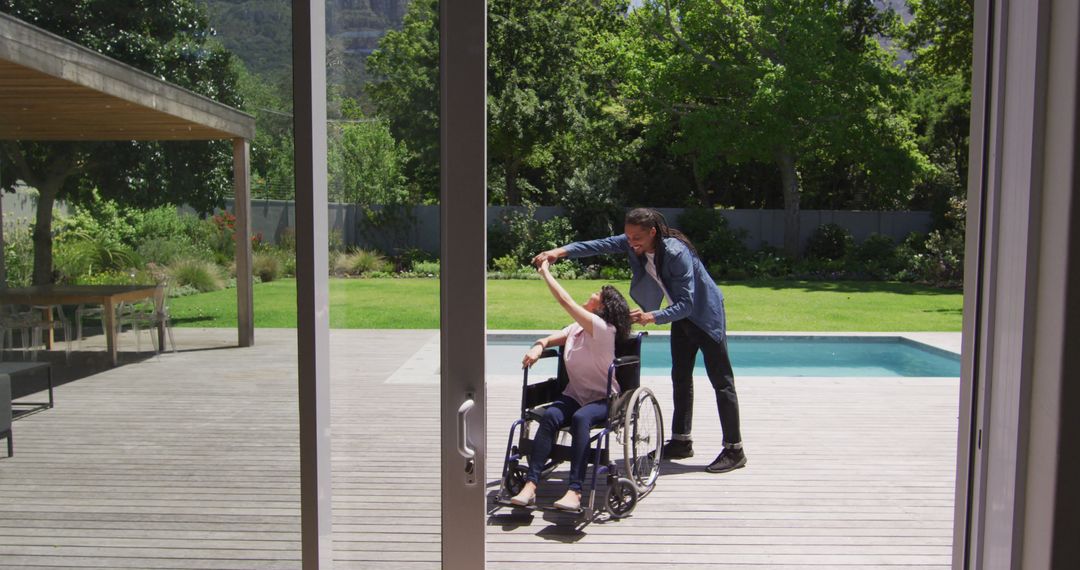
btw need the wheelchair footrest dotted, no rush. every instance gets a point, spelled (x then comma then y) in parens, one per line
(549, 509)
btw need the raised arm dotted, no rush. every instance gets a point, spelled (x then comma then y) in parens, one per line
(579, 314)
(611, 245)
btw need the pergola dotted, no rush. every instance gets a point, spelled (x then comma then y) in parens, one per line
(52, 89)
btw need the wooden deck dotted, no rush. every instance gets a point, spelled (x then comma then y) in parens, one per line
(191, 461)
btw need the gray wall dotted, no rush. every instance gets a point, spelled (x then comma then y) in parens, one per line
(20, 207)
(272, 217)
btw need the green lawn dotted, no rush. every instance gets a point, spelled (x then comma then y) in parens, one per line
(517, 304)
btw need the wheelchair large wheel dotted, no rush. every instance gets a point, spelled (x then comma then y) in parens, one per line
(643, 439)
(621, 498)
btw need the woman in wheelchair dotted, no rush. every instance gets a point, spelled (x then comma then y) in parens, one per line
(588, 350)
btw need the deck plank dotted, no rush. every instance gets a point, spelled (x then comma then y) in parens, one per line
(191, 461)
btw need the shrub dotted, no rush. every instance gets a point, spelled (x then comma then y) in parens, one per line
(507, 267)
(116, 277)
(829, 241)
(162, 222)
(769, 263)
(876, 256)
(426, 268)
(815, 268)
(936, 258)
(565, 269)
(615, 273)
(266, 266)
(720, 247)
(287, 239)
(104, 220)
(77, 255)
(223, 242)
(19, 255)
(288, 264)
(197, 273)
(164, 251)
(522, 236)
(506, 264)
(409, 258)
(360, 262)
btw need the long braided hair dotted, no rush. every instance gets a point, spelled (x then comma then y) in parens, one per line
(615, 311)
(649, 218)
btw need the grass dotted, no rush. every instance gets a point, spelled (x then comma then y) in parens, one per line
(515, 304)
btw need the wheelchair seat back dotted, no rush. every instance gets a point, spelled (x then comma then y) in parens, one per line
(629, 376)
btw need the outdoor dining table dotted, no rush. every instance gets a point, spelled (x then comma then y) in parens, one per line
(108, 296)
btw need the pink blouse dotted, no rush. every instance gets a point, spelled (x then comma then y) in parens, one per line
(587, 359)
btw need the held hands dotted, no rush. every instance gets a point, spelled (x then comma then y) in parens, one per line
(639, 317)
(549, 256)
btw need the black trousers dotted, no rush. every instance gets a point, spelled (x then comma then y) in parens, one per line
(686, 339)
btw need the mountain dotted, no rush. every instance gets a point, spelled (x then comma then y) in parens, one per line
(259, 33)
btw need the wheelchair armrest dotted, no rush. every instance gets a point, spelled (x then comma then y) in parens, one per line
(549, 353)
(541, 393)
(626, 361)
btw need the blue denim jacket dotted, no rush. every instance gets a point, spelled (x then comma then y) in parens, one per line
(694, 295)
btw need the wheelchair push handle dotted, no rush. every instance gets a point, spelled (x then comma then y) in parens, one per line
(462, 431)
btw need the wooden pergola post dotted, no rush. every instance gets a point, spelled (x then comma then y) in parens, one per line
(245, 303)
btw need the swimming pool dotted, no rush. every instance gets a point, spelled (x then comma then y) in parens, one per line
(823, 356)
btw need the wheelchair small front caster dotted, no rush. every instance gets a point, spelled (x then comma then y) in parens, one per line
(621, 498)
(514, 481)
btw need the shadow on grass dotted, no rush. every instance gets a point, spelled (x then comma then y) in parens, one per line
(844, 287)
(944, 311)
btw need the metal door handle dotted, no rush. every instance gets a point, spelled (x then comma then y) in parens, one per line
(463, 432)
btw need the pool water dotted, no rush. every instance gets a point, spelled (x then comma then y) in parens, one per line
(771, 356)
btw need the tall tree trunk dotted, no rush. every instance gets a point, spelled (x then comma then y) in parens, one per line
(513, 193)
(43, 267)
(789, 177)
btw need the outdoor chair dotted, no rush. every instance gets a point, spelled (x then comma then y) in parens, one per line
(12, 320)
(32, 324)
(83, 312)
(146, 316)
(49, 318)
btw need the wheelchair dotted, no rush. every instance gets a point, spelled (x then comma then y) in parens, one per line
(633, 419)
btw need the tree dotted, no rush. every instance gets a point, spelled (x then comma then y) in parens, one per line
(272, 147)
(940, 37)
(365, 161)
(551, 98)
(407, 91)
(170, 39)
(780, 81)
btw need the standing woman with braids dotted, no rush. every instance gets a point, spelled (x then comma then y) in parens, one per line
(664, 264)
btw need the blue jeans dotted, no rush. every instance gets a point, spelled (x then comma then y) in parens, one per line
(566, 411)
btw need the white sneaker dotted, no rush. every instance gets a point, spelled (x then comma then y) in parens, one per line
(525, 498)
(571, 501)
